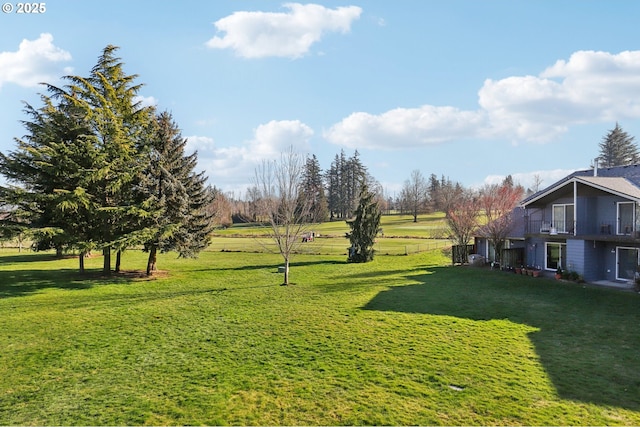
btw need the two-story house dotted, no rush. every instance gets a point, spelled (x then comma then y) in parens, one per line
(588, 222)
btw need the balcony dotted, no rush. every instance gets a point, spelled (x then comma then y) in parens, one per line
(587, 230)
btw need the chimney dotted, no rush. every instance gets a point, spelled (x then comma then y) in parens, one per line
(595, 167)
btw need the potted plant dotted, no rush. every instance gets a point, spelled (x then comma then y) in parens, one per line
(535, 272)
(559, 273)
(519, 270)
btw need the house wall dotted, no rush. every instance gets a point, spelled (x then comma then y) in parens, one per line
(481, 246)
(586, 220)
(575, 256)
(596, 258)
(607, 213)
(534, 252)
(591, 212)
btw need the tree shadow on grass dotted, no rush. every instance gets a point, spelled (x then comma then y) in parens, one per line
(16, 283)
(587, 339)
(27, 257)
(273, 266)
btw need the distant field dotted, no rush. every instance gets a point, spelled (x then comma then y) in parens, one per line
(327, 245)
(428, 226)
(400, 236)
(397, 341)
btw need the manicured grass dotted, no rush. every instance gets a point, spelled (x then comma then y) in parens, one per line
(400, 236)
(327, 245)
(428, 226)
(401, 340)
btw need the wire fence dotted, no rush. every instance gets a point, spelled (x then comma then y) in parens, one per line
(326, 247)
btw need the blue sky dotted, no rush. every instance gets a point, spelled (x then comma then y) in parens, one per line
(473, 90)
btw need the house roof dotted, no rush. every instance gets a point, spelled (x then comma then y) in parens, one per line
(620, 180)
(621, 186)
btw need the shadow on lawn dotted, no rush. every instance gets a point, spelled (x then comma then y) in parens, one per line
(588, 339)
(27, 257)
(275, 266)
(16, 283)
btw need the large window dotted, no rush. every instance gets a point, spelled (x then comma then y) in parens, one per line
(626, 217)
(556, 255)
(627, 261)
(563, 218)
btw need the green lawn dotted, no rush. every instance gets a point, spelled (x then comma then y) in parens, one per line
(428, 226)
(400, 236)
(401, 340)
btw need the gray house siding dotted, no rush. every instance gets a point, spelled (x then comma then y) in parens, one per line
(594, 261)
(534, 252)
(575, 256)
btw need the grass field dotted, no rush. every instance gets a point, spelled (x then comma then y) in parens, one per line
(428, 226)
(400, 340)
(401, 236)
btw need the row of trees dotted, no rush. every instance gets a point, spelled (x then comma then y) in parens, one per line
(98, 170)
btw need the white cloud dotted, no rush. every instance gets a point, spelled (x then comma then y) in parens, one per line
(589, 87)
(406, 127)
(236, 165)
(146, 101)
(35, 61)
(201, 144)
(282, 34)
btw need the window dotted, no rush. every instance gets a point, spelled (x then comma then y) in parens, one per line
(562, 218)
(627, 261)
(626, 217)
(556, 255)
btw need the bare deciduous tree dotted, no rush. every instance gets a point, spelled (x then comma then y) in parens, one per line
(283, 204)
(497, 202)
(415, 194)
(462, 217)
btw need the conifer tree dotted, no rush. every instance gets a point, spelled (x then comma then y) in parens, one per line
(118, 125)
(180, 218)
(313, 190)
(47, 175)
(77, 170)
(618, 149)
(364, 227)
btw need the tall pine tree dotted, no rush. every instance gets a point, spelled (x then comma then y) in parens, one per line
(364, 227)
(312, 188)
(618, 149)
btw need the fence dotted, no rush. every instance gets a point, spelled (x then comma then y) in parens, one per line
(325, 246)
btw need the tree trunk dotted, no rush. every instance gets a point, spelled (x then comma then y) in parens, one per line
(151, 262)
(118, 257)
(106, 264)
(286, 272)
(81, 261)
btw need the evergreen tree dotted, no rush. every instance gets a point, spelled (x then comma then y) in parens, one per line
(313, 189)
(364, 227)
(344, 179)
(618, 149)
(78, 170)
(48, 173)
(118, 124)
(168, 187)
